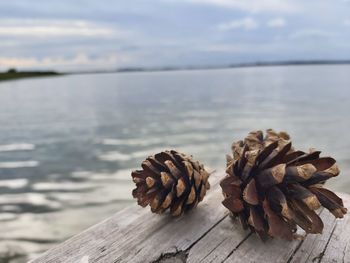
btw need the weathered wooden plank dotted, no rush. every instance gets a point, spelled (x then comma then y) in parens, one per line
(136, 235)
(253, 250)
(338, 247)
(174, 237)
(227, 236)
(314, 245)
(311, 249)
(218, 243)
(92, 240)
(206, 234)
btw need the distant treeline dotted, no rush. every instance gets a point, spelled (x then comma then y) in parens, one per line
(291, 63)
(14, 74)
(237, 65)
(242, 65)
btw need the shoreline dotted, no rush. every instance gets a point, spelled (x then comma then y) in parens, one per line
(6, 76)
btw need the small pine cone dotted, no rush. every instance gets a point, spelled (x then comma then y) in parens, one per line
(272, 188)
(170, 180)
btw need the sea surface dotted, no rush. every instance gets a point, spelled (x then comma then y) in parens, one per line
(69, 143)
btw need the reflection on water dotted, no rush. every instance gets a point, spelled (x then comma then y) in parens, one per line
(68, 144)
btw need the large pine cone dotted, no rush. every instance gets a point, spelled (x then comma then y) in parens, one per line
(170, 180)
(272, 188)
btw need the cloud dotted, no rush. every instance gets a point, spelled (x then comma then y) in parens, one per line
(242, 48)
(253, 6)
(311, 33)
(145, 33)
(247, 23)
(276, 22)
(56, 28)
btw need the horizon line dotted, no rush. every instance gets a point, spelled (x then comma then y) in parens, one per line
(193, 67)
(234, 65)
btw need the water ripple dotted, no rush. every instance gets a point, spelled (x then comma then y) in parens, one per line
(20, 164)
(17, 147)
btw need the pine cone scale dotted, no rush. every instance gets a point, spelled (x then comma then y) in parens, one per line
(300, 173)
(315, 224)
(233, 204)
(166, 179)
(180, 186)
(189, 169)
(330, 201)
(255, 219)
(191, 196)
(271, 176)
(173, 170)
(278, 156)
(302, 194)
(150, 182)
(250, 194)
(149, 169)
(305, 157)
(278, 202)
(231, 186)
(265, 153)
(167, 201)
(277, 226)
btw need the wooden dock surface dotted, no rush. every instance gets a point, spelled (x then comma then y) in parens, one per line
(206, 234)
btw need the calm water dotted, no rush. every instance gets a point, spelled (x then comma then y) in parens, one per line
(68, 144)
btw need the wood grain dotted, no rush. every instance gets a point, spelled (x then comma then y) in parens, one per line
(137, 235)
(206, 234)
(338, 247)
(313, 245)
(217, 245)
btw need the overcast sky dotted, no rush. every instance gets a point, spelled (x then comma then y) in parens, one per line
(103, 34)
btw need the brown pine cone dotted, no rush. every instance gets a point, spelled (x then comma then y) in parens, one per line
(272, 188)
(170, 180)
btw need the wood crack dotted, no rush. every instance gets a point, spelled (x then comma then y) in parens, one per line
(239, 244)
(205, 233)
(211, 251)
(181, 255)
(296, 250)
(344, 253)
(302, 241)
(320, 256)
(174, 257)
